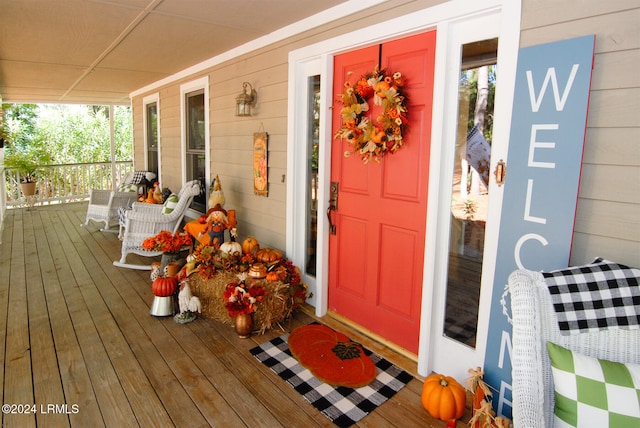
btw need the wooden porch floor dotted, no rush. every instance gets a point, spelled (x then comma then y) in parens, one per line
(79, 347)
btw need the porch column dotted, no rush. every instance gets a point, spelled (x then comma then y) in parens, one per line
(112, 140)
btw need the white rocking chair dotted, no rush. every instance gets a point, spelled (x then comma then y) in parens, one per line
(143, 221)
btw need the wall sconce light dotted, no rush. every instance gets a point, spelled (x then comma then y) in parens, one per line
(246, 100)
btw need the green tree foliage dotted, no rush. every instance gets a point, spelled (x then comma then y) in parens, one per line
(69, 133)
(20, 124)
(469, 79)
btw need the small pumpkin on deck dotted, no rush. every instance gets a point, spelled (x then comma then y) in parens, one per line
(164, 286)
(443, 397)
(268, 255)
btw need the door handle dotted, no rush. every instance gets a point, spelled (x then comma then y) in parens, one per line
(333, 205)
(501, 172)
(332, 227)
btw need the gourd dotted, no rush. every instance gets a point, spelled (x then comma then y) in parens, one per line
(268, 255)
(231, 247)
(273, 276)
(164, 286)
(443, 397)
(250, 245)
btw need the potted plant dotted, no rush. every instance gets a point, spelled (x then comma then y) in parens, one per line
(26, 162)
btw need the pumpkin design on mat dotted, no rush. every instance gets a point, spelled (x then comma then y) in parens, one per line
(331, 356)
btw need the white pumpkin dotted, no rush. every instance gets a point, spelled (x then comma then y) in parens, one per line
(231, 247)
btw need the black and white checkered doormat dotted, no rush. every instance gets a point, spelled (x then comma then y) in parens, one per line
(343, 406)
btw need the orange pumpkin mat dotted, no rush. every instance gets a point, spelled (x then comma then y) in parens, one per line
(331, 356)
(344, 406)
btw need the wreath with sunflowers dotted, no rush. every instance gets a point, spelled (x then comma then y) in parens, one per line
(372, 140)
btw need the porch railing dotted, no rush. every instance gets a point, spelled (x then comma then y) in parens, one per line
(64, 183)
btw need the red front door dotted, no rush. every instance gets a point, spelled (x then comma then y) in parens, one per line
(376, 256)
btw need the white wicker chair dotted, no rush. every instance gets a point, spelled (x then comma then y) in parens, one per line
(146, 220)
(103, 207)
(104, 204)
(534, 323)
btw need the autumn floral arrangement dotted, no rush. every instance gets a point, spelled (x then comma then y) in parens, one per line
(241, 298)
(167, 242)
(271, 298)
(483, 415)
(373, 139)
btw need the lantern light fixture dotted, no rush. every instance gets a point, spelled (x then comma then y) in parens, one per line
(246, 100)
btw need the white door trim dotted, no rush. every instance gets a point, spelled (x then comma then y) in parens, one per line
(321, 55)
(455, 34)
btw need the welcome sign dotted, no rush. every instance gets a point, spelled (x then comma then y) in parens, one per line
(541, 187)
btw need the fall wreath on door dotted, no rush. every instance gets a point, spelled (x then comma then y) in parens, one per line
(373, 139)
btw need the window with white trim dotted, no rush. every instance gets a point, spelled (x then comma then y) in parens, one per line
(195, 137)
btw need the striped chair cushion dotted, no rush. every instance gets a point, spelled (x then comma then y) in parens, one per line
(170, 204)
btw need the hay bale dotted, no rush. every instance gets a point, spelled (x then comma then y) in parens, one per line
(277, 305)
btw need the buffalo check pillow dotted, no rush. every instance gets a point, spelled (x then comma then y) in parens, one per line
(594, 297)
(594, 393)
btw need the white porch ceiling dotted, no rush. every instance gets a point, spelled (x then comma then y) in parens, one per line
(99, 51)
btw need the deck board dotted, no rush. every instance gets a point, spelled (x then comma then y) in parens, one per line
(77, 330)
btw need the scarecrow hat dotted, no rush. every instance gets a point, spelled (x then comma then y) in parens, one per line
(217, 195)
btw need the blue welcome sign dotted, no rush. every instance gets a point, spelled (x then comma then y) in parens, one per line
(541, 187)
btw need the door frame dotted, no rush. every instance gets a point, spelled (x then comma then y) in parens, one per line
(440, 196)
(318, 59)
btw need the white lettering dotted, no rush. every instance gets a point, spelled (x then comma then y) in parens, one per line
(501, 399)
(527, 206)
(551, 76)
(521, 241)
(534, 144)
(505, 344)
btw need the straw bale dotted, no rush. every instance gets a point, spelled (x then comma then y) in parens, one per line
(275, 308)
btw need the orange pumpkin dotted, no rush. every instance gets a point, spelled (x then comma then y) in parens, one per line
(250, 246)
(164, 286)
(443, 397)
(273, 276)
(268, 255)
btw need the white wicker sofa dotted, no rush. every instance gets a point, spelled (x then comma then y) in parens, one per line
(535, 322)
(147, 220)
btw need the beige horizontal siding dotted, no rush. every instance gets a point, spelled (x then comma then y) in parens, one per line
(608, 214)
(616, 220)
(612, 146)
(586, 247)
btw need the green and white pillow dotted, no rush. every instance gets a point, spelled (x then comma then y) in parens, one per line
(128, 187)
(170, 204)
(594, 393)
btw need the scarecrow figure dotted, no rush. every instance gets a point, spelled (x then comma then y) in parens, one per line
(218, 220)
